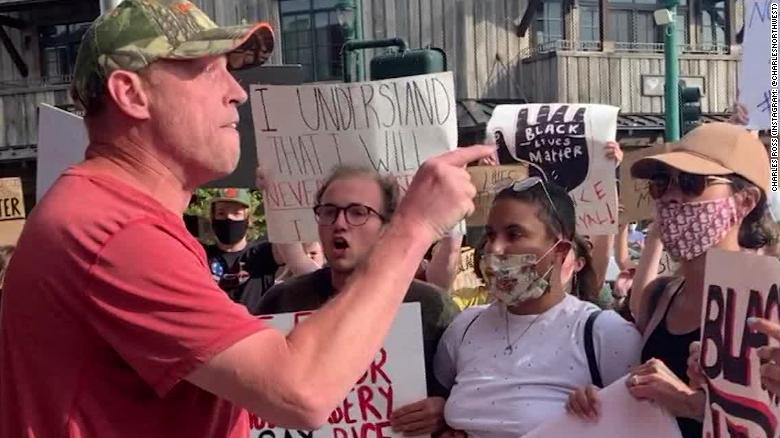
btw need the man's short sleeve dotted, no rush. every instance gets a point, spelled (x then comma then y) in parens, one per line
(150, 297)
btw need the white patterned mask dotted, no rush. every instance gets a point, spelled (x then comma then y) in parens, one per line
(512, 278)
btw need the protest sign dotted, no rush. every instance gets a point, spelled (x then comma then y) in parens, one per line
(637, 203)
(621, 416)
(737, 285)
(12, 211)
(395, 378)
(303, 132)
(62, 141)
(564, 143)
(756, 88)
(484, 179)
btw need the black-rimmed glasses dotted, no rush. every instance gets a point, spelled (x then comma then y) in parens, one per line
(355, 214)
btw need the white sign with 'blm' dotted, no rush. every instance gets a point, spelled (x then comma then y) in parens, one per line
(566, 141)
(303, 132)
(738, 285)
(395, 378)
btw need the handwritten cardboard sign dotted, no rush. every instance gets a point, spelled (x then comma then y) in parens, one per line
(11, 199)
(485, 179)
(395, 378)
(755, 84)
(621, 416)
(12, 211)
(62, 141)
(566, 142)
(637, 203)
(303, 132)
(738, 285)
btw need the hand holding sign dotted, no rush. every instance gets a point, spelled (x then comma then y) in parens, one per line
(441, 193)
(770, 371)
(614, 152)
(654, 381)
(424, 417)
(696, 377)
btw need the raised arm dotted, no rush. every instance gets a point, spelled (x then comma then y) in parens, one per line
(443, 267)
(646, 272)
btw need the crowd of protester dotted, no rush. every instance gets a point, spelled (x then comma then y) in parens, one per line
(527, 325)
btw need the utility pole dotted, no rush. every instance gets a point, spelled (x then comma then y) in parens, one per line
(667, 18)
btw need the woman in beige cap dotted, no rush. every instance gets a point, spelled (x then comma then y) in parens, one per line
(710, 192)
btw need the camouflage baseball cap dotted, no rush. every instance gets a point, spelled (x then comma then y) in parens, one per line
(232, 194)
(139, 32)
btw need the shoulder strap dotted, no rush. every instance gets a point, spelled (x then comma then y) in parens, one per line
(590, 351)
(660, 297)
(469, 326)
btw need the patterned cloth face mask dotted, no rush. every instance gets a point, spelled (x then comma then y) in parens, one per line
(689, 229)
(512, 278)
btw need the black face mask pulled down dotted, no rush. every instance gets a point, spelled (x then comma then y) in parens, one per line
(229, 231)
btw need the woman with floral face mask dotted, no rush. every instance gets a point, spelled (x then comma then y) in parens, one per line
(512, 364)
(710, 192)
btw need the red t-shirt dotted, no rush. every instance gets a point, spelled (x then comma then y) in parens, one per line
(107, 306)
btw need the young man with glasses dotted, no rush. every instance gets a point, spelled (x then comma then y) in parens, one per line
(353, 208)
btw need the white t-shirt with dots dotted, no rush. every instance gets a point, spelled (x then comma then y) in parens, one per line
(497, 394)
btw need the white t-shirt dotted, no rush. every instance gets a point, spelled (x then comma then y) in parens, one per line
(495, 394)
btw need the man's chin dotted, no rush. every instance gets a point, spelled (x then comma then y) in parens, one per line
(342, 266)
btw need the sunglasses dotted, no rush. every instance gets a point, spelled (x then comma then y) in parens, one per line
(525, 185)
(689, 184)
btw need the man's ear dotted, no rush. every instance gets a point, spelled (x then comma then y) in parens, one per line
(127, 90)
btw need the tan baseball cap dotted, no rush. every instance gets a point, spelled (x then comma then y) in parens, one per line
(139, 32)
(713, 149)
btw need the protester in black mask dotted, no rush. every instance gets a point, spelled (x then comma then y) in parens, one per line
(245, 270)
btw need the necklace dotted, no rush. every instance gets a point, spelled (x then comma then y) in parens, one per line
(510, 345)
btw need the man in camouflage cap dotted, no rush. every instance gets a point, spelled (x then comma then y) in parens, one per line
(124, 333)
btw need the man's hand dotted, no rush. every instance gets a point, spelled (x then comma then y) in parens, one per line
(441, 193)
(490, 160)
(421, 418)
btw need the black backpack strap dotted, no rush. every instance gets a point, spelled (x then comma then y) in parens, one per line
(469, 326)
(590, 351)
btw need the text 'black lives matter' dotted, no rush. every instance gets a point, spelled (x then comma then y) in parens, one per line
(555, 144)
